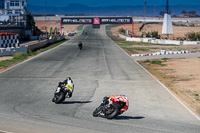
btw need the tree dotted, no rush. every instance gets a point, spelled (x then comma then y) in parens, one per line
(30, 20)
(153, 34)
(184, 12)
(121, 30)
(192, 12)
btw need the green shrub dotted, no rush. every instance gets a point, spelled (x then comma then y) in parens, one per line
(158, 62)
(31, 53)
(147, 61)
(20, 56)
(153, 34)
(193, 36)
(181, 38)
(121, 30)
(164, 59)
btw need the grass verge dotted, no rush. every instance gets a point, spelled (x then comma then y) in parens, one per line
(19, 57)
(80, 29)
(128, 44)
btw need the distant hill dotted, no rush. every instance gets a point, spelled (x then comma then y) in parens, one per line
(78, 9)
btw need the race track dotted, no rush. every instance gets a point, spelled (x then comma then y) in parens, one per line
(100, 69)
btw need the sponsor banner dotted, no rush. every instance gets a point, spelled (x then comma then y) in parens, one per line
(96, 20)
(119, 20)
(77, 20)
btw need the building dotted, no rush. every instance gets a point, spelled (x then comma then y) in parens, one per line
(1, 4)
(13, 17)
(13, 11)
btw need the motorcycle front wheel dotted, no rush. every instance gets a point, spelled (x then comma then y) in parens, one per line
(112, 111)
(97, 111)
(60, 97)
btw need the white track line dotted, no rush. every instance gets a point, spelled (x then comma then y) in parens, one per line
(1, 131)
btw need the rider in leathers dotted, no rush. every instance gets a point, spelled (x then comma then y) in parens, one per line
(69, 87)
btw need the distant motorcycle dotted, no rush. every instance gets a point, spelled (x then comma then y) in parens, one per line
(80, 45)
(112, 106)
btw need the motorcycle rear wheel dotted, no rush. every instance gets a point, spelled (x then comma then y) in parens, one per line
(114, 109)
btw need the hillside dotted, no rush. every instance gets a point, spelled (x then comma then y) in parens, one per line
(78, 9)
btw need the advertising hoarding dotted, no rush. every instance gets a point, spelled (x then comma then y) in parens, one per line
(97, 20)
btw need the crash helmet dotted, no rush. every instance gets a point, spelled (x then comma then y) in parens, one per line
(68, 78)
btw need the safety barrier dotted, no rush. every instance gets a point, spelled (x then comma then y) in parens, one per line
(159, 41)
(12, 50)
(162, 52)
(8, 40)
(44, 43)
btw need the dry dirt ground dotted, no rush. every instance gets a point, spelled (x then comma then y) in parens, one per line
(182, 76)
(54, 23)
(6, 58)
(179, 31)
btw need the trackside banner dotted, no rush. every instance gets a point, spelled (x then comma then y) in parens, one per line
(77, 20)
(97, 20)
(121, 20)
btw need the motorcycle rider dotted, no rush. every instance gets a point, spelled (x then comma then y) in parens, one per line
(112, 106)
(80, 45)
(68, 87)
(113, 98)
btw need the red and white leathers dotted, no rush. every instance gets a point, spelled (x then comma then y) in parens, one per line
(114, 98)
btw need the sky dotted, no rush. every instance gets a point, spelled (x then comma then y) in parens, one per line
(96, 3)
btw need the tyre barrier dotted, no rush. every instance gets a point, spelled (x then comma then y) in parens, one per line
(162, 52)
(8, 41)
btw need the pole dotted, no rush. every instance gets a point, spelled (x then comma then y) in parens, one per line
(60, 27)
(144, 31)
(45, 2)
(132, 28)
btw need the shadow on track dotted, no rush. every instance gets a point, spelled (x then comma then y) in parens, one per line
(128, 117)
(74, 102)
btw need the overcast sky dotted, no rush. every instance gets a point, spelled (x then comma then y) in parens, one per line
(95, 3)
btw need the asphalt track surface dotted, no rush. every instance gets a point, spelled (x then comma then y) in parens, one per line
(100, 69)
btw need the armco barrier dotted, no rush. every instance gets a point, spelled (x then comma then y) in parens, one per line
(11, 51)
(162, 52)
(160, 41)
(44, 43)
(8, 41)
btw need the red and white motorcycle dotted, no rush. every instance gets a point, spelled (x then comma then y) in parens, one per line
(112, 106)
